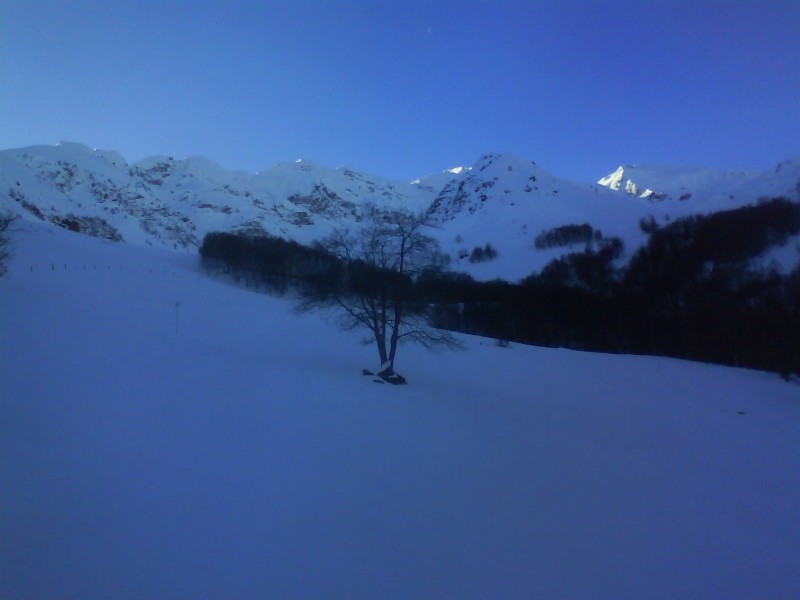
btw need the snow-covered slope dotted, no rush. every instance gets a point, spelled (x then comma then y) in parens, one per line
(507, 201)
(172, 203)
(721, 188)
(502, 200)
(165, 435)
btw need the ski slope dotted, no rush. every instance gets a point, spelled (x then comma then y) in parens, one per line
(167, 435)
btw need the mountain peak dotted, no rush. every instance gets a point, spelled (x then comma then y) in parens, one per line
(681, 183)
(500, 160)
(613, 180)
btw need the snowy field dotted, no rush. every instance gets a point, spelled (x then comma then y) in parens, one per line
(237, 452)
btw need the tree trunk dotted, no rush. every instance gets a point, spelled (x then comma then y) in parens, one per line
(393, 339)
(380, 342)
(387, 372)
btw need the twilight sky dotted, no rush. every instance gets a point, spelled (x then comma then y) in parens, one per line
(403, 89)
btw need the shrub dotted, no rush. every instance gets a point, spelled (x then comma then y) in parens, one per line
(482, 254)
(567, 235)
(6, 222)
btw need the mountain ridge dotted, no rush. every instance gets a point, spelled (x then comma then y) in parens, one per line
(502, 200)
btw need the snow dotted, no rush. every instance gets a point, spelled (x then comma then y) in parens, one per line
(781, 257)
(502, 200)
(244, 456)
(173, 203)
(507, 201)
(457, 170)
(613, 180)
(709, 189)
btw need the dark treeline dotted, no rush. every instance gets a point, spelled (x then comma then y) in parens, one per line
(278, 265)
(271, 262)
(690, 292)
(567, 235)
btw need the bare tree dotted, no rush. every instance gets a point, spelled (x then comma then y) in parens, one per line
(375, 291)
(6, 221)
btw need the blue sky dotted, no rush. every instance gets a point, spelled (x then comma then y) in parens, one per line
(402, 89)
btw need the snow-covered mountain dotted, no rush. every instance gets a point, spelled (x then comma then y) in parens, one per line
(502, 200)
(659, 183)
(507, 202)
(180, 435)
(172, 203)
